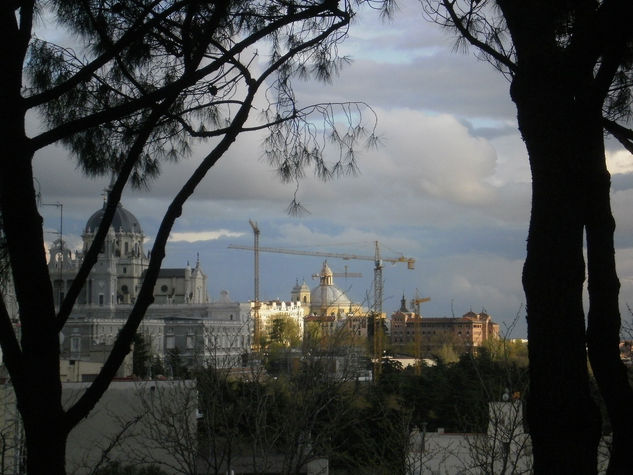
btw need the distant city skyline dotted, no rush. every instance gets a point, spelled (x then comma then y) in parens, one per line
(449, 186)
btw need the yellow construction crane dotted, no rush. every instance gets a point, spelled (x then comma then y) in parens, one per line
(416, 303)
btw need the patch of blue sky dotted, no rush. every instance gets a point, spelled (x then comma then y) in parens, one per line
(397, 56)
(392, 53)
(489, 123)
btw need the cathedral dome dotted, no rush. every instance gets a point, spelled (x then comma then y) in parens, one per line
(334, 297)
(123, 221)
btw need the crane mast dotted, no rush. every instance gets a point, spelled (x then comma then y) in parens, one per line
(256, 305)
(377, 280)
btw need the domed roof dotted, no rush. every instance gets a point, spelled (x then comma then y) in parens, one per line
(334, 297)
(123, 221)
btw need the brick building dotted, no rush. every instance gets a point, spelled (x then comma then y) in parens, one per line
(430, 333)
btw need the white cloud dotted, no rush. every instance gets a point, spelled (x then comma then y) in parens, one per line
(197, 236)
(437, 155)
(619, 161)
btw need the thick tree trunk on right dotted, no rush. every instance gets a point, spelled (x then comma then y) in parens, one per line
(564, 421)
(603, 329)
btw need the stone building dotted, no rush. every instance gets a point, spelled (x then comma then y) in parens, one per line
(117, 276)
(183, 318)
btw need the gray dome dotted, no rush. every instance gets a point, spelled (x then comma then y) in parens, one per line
(334, 297)
(123, 221)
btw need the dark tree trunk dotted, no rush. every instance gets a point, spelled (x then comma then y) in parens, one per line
(34, 366)
(564, 422)
(45, 437)
(563, 59)
(603, 329)
(34, 363)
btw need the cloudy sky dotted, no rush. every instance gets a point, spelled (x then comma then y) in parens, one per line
(449, 186)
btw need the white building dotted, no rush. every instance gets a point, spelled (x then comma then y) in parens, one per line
(268, 311)
(504, 448)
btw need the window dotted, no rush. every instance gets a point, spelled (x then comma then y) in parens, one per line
(170, 341)
(75, 344)
(163, 288)
(190, 341)
(101, 300)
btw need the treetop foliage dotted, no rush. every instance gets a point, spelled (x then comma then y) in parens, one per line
(181, 69)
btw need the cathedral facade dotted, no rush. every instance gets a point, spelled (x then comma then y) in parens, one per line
(117, 276)
(182, 319)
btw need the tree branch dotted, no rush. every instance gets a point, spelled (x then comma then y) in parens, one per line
(622, 134)
(149, 100)
(26, 24)
(473, 40)
(615, 35)
(11, 352)
(114, 197)
(84, 74)
(145, 298)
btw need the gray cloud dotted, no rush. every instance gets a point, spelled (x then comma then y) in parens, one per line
(450, 186)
